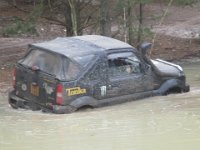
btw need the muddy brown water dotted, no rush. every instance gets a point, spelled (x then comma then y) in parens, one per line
(157, 123)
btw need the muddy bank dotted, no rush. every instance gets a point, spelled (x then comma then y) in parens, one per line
(174, 48)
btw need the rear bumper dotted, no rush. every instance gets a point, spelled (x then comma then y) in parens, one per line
(17, 102)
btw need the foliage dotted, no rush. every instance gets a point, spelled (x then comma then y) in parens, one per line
(77, 15)
(20, 27)
(37, 12)
(145, 34)
(132, 15)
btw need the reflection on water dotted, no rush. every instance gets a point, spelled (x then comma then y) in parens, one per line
(158, 123)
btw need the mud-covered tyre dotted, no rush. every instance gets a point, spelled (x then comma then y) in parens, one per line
(13, 104)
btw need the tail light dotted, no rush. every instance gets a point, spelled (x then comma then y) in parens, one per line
(59, 94)
(14, 78)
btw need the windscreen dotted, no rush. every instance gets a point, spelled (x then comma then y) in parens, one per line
(45, 61)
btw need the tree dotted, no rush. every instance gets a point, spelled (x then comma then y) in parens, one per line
(71, 11)
(105, 22)
(68, 20)
(133, 12)
(75, 20)
(140, 26)
(130, 21)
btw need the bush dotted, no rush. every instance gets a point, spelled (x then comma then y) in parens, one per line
(29, 26)
(20, 27)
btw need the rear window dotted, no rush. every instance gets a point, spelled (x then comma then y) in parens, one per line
(47, 62)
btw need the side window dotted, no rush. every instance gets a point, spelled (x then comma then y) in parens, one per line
(94, 75)
(123, 64)
(71, 70)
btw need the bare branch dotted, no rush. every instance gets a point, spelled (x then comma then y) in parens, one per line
(56, 21)
(20, 9)
(84, 4)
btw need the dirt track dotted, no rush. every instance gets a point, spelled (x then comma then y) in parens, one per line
(11, 49)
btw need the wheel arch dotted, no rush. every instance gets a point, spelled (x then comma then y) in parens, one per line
(84, 101)
(171, 85)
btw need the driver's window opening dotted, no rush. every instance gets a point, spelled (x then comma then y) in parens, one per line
(121, 66)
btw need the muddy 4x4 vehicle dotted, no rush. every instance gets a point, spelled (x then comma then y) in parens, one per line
(66, 74)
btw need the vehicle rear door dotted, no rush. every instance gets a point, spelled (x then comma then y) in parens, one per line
(37, 76)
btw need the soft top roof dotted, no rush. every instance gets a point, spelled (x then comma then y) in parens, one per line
(81, 45)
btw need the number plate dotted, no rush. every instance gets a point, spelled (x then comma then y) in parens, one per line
(35, 90)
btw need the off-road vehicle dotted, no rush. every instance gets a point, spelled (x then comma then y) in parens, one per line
(65, 74)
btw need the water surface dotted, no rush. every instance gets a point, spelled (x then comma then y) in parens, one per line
(157, 123)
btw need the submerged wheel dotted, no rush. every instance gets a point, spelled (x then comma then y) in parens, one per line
(63, 109)
(13, 104)
(173, 91)
(85, 108)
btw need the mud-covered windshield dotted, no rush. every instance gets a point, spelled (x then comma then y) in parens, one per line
(45, 61)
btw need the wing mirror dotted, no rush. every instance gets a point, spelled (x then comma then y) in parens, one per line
(145, 47)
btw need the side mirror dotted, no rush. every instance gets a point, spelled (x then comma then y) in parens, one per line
(144, 47)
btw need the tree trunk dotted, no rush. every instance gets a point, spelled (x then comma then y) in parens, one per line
(68, 19)
(72, 5)
(140, 27)
(105, 24)
(130, 23)
(72, 17)
(78, 17)
(14, 3)
(49, 4)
